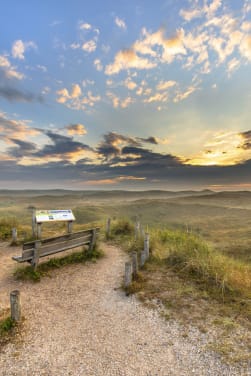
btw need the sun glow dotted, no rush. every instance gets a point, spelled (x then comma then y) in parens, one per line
(225, 149)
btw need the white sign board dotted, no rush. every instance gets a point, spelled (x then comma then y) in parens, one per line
(54, 215)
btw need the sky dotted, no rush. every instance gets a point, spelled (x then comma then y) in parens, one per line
(135, 94)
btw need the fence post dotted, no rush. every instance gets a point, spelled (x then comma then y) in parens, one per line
(134, 264)
(147, 245)
(137, 229)
(14, 235)
(33, 223)
(142, 258)
(35, 259)
(15, 306)
(128, 273)
(108, 228)
(93, 240)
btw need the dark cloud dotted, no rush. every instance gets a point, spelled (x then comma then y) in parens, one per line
(12, 93)
(111, 145)
(15, 95)
(150, 140)
(22, 149)
(62, 145)
(246, 145)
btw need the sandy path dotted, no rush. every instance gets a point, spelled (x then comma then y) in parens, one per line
(79, 323)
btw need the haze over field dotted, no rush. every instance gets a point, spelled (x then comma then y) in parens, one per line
(125, 95)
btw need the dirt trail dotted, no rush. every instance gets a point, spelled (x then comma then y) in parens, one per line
(80, 323)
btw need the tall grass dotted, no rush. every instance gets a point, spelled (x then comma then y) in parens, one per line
(189, 255)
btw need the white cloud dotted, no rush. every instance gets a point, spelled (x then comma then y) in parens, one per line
(159, 97)
(189, 15)
(76, 129)
(129, 84)
(75, 46)
(180, 96)
(163, 85)
(98, 65)
(77, 100)
(76, 91)
(120, 23)
(42, 68)
(117, 102)
(19, 47)
(206, 10)
(89, 46)
(85, 26)
(233, 65)
(10, 71)
(245, 47)
(127, 59)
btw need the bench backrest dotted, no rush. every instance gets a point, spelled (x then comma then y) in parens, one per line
(57, 244)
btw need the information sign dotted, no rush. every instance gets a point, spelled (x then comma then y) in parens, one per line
(54, 215)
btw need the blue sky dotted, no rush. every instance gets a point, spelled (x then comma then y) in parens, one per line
(125, 94)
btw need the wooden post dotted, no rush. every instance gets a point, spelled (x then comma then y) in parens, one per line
(33, 223)
(39, 230)
(142, 232)
(142, 258)
(108, 228)
(134, 264)
(69, 226)
(14, 235)
(147, 245)
(93, 240)
(137, 229)
(15, 306)
(35, 259)
(128, 273)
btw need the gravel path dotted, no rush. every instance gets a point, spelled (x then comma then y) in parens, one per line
(80, 323)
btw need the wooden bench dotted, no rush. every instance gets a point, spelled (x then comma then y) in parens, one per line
(35, 249)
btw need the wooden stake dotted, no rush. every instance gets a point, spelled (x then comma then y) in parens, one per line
(15, 306)
(108, 228)
(14, 235)
(134, 264)
(93, 240)
(33, 224)
(142, 258)
(147, 245)
(128, 274)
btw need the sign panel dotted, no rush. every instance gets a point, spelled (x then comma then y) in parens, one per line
(54, 215)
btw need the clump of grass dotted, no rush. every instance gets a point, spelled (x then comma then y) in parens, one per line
(6, 325)
(122, 228)
(7, 328)
(29, 274)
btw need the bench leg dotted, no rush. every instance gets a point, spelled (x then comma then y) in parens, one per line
(35, 258)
